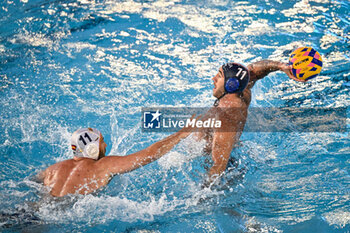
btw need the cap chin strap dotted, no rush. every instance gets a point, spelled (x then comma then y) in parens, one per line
(217, 101)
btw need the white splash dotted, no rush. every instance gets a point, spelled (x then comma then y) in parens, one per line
(339, 218)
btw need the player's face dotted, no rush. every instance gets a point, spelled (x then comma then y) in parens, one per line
(219, 82)
(103, 147)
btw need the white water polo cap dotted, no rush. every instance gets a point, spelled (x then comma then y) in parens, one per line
(86, 143)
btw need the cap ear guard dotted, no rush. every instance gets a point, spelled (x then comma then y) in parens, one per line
(92, 151)
(231, 85)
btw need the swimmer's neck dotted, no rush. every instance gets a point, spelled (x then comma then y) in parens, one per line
(227, 99)
(77, 159)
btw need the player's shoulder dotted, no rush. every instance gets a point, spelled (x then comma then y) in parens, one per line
(247, 96)
(60, 164)
(109, 160)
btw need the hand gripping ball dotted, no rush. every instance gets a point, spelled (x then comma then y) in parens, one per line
(306, 63)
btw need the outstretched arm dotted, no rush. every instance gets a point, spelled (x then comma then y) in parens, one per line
(112, 165)
(260, 69)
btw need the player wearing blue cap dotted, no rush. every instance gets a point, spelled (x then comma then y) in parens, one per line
(232, 88)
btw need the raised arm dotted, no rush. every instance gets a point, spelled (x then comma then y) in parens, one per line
(112, 165)
(260, 69)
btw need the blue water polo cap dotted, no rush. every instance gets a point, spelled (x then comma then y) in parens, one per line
(236, 77)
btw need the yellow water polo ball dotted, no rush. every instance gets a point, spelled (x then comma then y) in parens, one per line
(306, 63)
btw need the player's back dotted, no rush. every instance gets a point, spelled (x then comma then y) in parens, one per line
(73, 176)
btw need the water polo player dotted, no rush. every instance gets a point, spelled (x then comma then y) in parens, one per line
(232, 88)
(90, 170)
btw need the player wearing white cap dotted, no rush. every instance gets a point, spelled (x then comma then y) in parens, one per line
(90, 169)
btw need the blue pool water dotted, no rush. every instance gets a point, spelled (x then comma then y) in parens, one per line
(70, 64)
